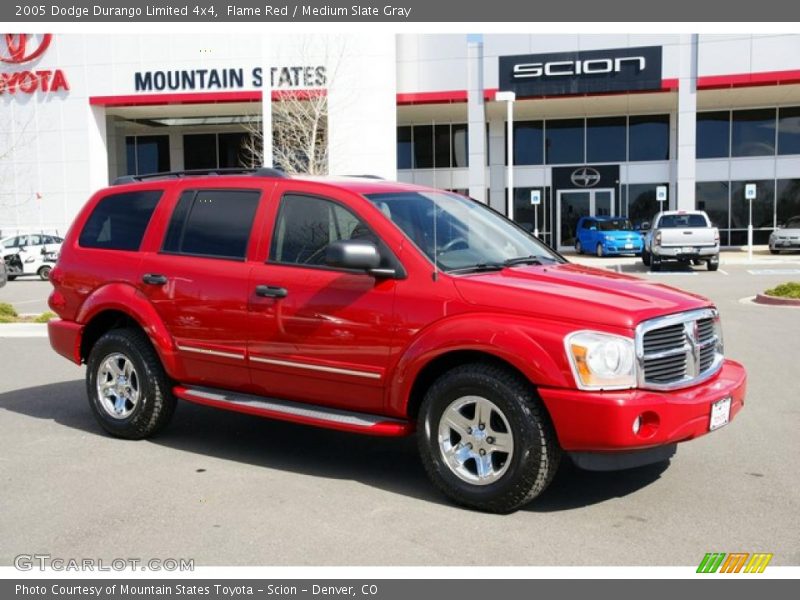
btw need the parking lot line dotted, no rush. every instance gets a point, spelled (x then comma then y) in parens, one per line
(774, 271)
(723, 272)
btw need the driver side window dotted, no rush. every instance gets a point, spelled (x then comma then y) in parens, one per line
(306, 226)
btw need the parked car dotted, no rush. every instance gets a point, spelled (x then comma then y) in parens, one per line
(786, 237)
(681, 235)
(385, 309)
(35, 260)
(607, 235)
(3, 276)
(30, 241)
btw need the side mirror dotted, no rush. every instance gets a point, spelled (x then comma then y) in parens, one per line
(353, 254)
(644, 226)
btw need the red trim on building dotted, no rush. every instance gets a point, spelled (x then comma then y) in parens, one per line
(447, 97)
(712, 82)
(201, 97)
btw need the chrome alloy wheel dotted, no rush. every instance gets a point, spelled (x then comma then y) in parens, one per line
(475, 440)
(118, 386)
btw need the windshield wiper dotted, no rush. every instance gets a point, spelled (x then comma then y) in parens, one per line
(480, 267)
(525, 260)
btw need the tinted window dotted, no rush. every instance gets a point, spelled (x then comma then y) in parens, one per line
(712, 197)
(232, 149)
(147, 154)
(753, 132)
(648, 137)
(564, 141)
(119, 221)
(615, 225)
(642, 203)
(788, 203)
(461, 146)
(214, 223)
(682, 222)
(789, 130)
(200, 151)
(404, 148)
(423, 146)
(442, 146)
(528, 142)
(713, 134)
(306, 226)
(605, 139)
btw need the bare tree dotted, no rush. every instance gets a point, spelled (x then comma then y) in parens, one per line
(300, 141)
(12, 140)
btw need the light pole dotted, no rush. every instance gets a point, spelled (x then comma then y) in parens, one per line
(750, 191)
(508, 98)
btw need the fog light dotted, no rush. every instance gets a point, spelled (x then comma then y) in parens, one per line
(637, 424)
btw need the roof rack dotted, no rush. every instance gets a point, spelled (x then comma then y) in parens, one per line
(257, 172)
(366, 176)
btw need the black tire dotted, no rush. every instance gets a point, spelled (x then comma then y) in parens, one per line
(44, 273)
(713, 264)
(696, 262)
(156, 403)
(536, 455)
(578, 247)
(12, 277)
(655, 263)
(599, 251)
(645, 257)
(773, 251)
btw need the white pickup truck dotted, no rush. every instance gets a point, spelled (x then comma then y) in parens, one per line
(681, 235)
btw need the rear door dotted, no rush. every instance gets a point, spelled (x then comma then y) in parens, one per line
(197, 280)
(319, 334)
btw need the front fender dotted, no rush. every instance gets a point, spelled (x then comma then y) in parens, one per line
(533, 346)
(125, 298)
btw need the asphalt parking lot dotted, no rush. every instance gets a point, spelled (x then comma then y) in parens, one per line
(228, 489)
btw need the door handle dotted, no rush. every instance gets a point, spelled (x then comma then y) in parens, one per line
(154, 279)
(271, 291)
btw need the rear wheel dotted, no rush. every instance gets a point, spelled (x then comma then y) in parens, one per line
(645, 257)
(655, 263)
(713, 264)
(44, 272)
(485, 439)
(12, 277)
(129, 391)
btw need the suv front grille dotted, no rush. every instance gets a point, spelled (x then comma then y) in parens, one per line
(679, 350)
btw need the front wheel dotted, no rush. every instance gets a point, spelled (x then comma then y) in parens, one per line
(599, 250)
(44, 273)
(773, 251)
(485, 439)
(129, 391)
(578, 247)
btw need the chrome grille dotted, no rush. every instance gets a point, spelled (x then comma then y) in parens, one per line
(678, 350)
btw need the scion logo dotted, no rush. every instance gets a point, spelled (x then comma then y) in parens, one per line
(21, 48)
(24, 47)
(585, 177)
(579, 67)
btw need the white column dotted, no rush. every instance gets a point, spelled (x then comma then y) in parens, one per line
(687, 122)
(97, 148)
(476, 118)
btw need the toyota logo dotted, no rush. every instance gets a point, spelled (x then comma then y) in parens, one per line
(585, 177)
(23, 47)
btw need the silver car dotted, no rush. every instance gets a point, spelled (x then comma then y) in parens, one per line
(786, 237)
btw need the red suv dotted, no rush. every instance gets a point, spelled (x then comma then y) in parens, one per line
(386, 309)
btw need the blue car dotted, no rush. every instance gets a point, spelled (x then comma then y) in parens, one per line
(607, 235)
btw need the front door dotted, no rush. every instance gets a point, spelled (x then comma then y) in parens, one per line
(318, 334)
(574, 204)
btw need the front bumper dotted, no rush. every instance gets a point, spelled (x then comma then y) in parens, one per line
(603, 421)
(784, 244)
(618, 247)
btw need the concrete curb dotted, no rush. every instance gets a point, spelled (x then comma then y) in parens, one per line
(775, 301)
(23, 330)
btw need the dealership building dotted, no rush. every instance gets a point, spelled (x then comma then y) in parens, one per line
(601, 124)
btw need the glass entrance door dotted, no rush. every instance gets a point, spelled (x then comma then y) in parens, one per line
(574, 204)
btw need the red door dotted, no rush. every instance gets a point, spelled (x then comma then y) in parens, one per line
(198, 283)
(318, 334)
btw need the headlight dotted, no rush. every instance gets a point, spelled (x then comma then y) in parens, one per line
(609, 238)
(601, 360)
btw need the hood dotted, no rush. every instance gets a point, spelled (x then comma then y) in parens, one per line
(574, 293)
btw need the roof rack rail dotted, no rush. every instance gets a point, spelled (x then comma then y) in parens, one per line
(366, 176)
(257, 172)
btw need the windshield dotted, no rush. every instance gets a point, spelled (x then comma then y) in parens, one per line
(466, 234)
(615, 225)
(793, 223)
(682, 221)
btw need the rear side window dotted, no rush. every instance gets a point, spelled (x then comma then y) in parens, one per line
(119, 221)
(213, 223)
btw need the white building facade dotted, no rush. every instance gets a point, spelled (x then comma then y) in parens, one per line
(603, 124)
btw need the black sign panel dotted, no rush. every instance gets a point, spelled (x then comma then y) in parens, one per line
(581, 72)
(582, 177)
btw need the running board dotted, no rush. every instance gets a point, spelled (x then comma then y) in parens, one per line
(307, 414)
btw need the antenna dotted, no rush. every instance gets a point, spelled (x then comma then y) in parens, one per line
(435, 245)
